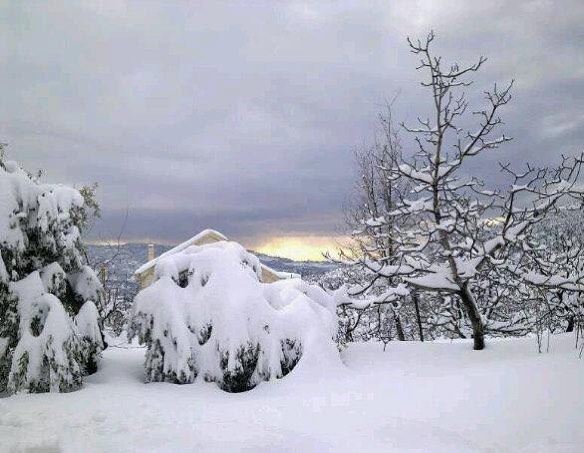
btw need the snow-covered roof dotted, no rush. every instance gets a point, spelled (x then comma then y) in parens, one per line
(212, 234)
(205, 237)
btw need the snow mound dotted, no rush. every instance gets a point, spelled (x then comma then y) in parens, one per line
(208, 315)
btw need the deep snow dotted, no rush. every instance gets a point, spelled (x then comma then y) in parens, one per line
(412, 397)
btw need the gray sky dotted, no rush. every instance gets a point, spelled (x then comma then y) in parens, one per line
(243, 116)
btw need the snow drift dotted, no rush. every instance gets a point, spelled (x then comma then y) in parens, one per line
(208, 316)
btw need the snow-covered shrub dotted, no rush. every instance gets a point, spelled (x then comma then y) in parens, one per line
(208, 315)
(49, 332)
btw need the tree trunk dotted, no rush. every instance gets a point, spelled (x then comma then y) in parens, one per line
(472, 311)
(418, 317)
(570, 327)
(399, 328)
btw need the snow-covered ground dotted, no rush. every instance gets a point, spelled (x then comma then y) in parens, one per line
(412, 397)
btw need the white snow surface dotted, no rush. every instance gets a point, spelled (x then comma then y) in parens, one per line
(424, 397)
(85, 283)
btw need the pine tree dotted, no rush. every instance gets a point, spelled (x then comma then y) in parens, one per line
(50, 335)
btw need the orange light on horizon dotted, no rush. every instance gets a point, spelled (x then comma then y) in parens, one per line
(302, 248)
(298, 248)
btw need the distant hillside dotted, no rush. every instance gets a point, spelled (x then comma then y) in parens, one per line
(304, 268)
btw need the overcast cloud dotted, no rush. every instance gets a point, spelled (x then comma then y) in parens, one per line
(243, 117)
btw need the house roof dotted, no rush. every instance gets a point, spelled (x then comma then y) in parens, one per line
(212, 234)
(204, 236)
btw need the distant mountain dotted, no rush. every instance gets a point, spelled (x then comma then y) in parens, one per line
(304, 268)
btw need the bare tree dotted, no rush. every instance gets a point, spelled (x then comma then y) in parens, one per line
(116, 301)
(559, 253)
(374, 197)
(450, 236)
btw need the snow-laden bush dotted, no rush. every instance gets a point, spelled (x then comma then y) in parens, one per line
(49, 332)
(208, 315)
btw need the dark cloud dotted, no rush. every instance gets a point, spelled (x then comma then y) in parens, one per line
(244, 116)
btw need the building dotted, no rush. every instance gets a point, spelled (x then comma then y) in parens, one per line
(145, 274)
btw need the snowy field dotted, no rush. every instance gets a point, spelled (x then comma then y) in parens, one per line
(412, 397)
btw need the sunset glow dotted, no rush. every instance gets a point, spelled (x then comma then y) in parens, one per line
(301, 248)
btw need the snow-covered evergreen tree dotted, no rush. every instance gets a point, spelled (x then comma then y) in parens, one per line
(49, 327)
(208, 316)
